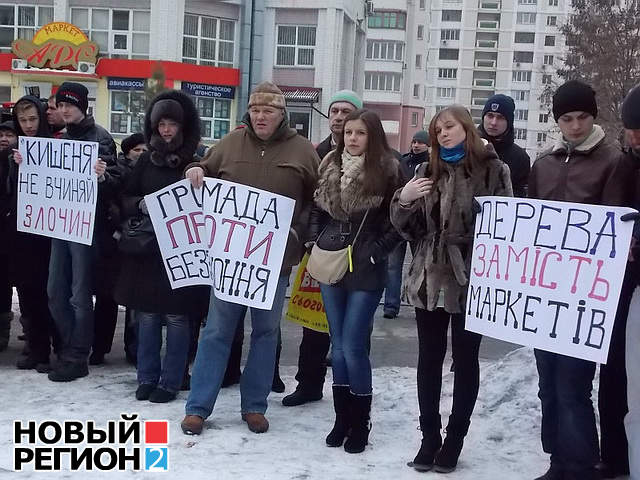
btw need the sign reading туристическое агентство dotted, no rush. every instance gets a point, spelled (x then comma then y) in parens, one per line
(548, 274)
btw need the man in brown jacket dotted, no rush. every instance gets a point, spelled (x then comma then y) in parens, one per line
(270, 156)
(582, 167)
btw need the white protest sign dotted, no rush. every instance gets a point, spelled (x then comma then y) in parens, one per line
(57, 188)
(548, 274)
(226, 235)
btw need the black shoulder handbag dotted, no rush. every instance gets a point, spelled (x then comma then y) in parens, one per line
(137, 236)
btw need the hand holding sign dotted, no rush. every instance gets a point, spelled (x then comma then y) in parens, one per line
(17, 157)
(195, 175)
(100, 167)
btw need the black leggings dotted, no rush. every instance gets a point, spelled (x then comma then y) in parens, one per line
(432, 338)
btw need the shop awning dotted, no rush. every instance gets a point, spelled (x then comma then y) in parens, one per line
(301, 94)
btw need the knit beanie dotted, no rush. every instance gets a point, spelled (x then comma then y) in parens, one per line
(502, 104)
(421, 136)
(267, 94)
(348, 96)
(574, 96)
(631, 109)
(8, 125)
(131, 142)
(75, 94)
(166, 108)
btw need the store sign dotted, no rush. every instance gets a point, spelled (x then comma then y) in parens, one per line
(119, 83)
(56, 45)
(204, 90)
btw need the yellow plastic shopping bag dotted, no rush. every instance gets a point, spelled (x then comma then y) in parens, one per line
(305, 305)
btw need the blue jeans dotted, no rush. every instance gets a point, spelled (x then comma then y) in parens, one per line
(168, 375)
(70, 288)
(350, 316)
(213, 353)
(568, 421)
(394, 279)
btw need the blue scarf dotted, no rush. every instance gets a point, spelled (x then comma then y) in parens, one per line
(452, 155)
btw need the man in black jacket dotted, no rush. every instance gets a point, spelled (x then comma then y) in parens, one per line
(497, 128)
(71, 269)
(314, 347)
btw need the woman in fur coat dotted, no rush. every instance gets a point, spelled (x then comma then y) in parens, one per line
(434, 211)
(357, 182)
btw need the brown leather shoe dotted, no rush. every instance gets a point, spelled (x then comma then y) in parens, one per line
(257, 422)
(192, 425)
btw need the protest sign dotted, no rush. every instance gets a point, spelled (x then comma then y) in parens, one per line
(226, 235)
(548, 274)
(305, 305)
(57, 188)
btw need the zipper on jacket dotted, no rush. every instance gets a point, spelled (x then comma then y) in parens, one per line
(566, 160)
(262, 152)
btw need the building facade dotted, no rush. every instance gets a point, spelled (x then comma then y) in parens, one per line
(395, 67)
(481, 47)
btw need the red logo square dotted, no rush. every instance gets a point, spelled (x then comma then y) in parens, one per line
(156, 431)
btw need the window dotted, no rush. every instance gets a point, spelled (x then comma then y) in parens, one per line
(546, 79)
(526, 18)
(527, 2)
(552, 21)
(450, 34)
(543, 118)
(379, 50)
(521, 115)
(448, 54)
(295, 46)
(542, 137)
(521, 76)
(208, 41)
(21, 22)
(446, 92)
(414, 119)
(416, 90)
(548, 60)
(448, 73)
(215, 116)
(549, 41)
(418, 61)
(525, 37)
(127, 111)
(522, 57)
(420, 32)
(520, 95)
(397, 20)
(440, 107)
(382, 81)
(546, 99)
(451, 15)
(119, 33)
(422, 4)
(520, 133)
(553, 3)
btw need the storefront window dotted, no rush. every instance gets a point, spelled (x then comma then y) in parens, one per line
(21, 22)
(215, 117)
(119, 33)
(208, 41)
(127, 111)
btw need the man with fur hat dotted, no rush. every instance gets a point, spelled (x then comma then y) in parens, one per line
(631, 123)
(72, 269)
(314, 347)
(497, 128)
(582, 167)
(269, 155)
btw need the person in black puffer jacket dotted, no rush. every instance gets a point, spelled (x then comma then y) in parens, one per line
(172, 131)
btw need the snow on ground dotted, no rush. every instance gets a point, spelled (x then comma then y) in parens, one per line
(503, 442)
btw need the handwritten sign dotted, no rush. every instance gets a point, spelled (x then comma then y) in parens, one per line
(57, 188)
(226, 235)
(548, 274)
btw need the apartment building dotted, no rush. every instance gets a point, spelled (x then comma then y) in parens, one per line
(396, 66)
(481, 47)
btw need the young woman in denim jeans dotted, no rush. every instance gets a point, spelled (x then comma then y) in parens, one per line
(357, 182)
(172, 132)
(434, 211)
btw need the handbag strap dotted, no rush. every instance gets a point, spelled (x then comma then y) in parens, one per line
(360, 227)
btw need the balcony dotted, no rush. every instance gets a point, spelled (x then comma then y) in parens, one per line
(488, 24)
(489, 4)
(487, 44)
(484, 82)
(485, 63)
(479, 101)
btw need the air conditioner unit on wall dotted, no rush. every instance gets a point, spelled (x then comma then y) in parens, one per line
(18, 64)
(86, 67)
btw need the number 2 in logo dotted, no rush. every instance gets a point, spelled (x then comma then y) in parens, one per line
(156, 459)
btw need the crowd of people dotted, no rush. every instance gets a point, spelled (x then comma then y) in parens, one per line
(351, 191)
